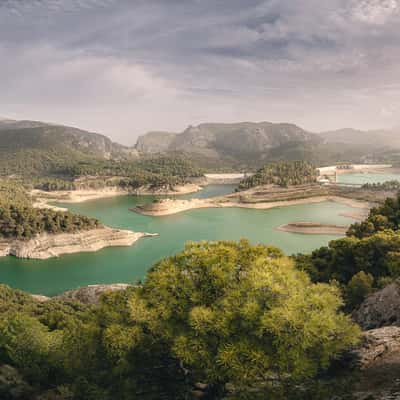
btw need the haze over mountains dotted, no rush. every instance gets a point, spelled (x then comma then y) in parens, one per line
(211, 144)
(378, 137)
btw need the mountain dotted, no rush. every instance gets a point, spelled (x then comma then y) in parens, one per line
(378, 138)
(33, 147)
(155, 142)
(231, 143)
(38, 135)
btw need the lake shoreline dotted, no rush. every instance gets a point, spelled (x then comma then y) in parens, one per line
(175, 206)
(43, 198)
(45, 246)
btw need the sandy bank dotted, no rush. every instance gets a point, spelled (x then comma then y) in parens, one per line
(42, 198)
(174, 206)
(313, 228)
(46, 246)
(226, 179)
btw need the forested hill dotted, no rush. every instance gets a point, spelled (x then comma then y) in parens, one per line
(282, 174)
(36, 148)
(20, 220)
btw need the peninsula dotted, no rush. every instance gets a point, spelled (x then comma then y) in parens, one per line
(270, 196)
(278, 185)
(41, 233)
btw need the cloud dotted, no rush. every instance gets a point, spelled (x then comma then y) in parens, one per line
(124, 66)
(376, 12)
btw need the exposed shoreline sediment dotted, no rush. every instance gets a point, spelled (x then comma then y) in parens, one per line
(174, 206)
(314, 228)
(42, 198)
(46, 246)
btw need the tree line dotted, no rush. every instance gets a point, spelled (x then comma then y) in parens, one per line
(20, 220)
(282, 174)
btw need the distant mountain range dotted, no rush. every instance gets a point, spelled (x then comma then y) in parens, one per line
(252, 144)
(379, 137)
(35, 145)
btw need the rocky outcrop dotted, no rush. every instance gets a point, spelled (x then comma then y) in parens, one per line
(378, 344)
(45, 246)
(380, 309)
(379, 361)
(91, 294)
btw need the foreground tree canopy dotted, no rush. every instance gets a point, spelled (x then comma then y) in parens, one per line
(237, 317)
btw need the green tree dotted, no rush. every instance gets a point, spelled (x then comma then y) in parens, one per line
(241, 315)
(359, 287)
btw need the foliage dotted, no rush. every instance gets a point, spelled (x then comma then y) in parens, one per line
(388, 186)
(238, 317)
(13, 192)
(387, 216)
(19, 220)
(358, 288)
(25, 222)
(282, 174)
(240, 314)
(371, 247)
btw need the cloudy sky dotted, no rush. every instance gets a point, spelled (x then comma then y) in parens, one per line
(123, 67)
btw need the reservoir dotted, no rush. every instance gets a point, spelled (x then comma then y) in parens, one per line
(362, 178)
(129, 264)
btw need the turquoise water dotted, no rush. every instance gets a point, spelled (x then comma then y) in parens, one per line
(128, 264)
(362, 178)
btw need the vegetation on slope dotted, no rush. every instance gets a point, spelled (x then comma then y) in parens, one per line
(365, 260)
(282, 174)
(19, 220)
(237, 317)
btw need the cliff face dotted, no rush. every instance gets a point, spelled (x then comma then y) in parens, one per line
(46, 246)
(238, 141)
(380, 309)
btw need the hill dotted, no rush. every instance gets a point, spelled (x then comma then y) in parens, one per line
(31, 147)
(231, 144)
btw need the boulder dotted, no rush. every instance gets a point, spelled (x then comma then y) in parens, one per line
(379, 361)
(380, 309)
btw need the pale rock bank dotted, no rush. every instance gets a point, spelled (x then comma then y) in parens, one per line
(46, 246)
(91, 294)
(88, 294)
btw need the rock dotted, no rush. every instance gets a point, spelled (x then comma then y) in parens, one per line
(380, 309)
(378, 344)
(379, 361)
(45, 246)
(40, 298)
(91, 294)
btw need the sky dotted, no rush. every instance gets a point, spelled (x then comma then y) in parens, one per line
(124, 67)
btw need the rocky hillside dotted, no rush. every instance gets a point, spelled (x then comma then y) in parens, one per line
(36, 148)
(16, 135)
(229, 142)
